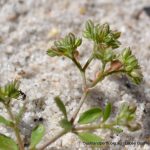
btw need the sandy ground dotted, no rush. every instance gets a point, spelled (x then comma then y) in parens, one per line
(28, 28)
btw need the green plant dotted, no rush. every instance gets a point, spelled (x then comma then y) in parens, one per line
(9, 93)
(105, 41)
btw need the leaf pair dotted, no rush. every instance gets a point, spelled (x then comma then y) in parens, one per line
(65, 47)
(94, 114)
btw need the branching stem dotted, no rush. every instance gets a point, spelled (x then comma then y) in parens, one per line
(83, 98)
(88, 62)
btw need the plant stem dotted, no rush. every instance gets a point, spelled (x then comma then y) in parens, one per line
(84, 80)
(83, 98)
(87, 127)
(77, 64)
(81, 71)
(88, 62)
(103, 74)
(15, 127)
(94, 126)
(100, 77)
(60, 134)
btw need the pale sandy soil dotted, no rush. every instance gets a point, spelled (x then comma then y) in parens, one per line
(28, 28)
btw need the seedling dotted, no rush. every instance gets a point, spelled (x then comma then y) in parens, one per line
(105, 41)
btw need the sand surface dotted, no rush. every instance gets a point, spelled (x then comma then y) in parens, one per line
(27, 30)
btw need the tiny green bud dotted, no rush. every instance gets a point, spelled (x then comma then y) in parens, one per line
(135, 64)
(78, 42)
(133, 126)
(126, 52)
(89, 25)
(105, 28)
(128, 68)
(116, 34)
(71, 38)
(108, 38)
(132, 108)
(131, 59)
(136, 74)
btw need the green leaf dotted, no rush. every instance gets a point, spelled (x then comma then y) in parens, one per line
(107, 112)
(5, 121)
(64, 123)
(37, 135)
(89, 137)
(61, 106)
(6, 143)
(53, 52)
(90, 116)
(66, 46)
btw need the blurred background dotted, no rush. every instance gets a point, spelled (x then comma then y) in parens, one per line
(29, 27)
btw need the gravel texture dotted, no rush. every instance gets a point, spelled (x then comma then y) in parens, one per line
(28, 28)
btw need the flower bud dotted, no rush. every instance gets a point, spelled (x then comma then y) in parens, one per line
(78, 42)
(104, 30)
(115, 65)
(116, 34)
(131, 59)
(89, 25)
(132, 108)
(133, 126)
(70, 38)
(128, 68)
(126, 52)
(135, 74)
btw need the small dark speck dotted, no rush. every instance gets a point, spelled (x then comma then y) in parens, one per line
(41, 119)
(35, 119)
(26, 145)
(147, 10)
(144, 111)
(53, 69)
(128, 85)
(21, 1)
